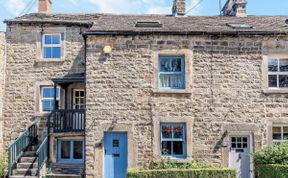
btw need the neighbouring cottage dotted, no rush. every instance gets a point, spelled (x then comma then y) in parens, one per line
(99, 93)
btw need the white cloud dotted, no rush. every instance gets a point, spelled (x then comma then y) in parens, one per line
(15, 6)
(159, 10)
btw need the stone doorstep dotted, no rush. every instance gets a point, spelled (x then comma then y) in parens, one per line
(62, 175)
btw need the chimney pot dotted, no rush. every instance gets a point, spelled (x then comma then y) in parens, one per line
(179, 7)
(235, 8)
(45, 6)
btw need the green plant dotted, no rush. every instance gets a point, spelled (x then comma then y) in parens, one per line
(183, 173)
(169, 164)
(3, 164)
(274, 154)
(272, 171)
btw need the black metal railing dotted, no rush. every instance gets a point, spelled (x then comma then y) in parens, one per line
(16, 149)
(64, 120)
(42, 154)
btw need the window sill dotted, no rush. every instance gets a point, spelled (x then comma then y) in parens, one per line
(179, 160)
(49, 60)
(167, 91)
(42, 114)
(275, 91)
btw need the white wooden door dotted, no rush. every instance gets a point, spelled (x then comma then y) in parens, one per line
(239, 155)
(78, 103)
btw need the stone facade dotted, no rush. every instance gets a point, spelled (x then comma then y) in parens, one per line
(227, 97)
(2, 81)
(26, 72)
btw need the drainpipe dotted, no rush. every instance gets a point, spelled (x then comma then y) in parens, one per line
(85, 83)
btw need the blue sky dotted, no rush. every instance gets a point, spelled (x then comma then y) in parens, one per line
(12, 8)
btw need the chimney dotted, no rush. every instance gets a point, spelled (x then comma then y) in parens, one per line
(179, 8)
(45, 6)
(235, 8)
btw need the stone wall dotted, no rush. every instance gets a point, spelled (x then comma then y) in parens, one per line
(2, 75)
(227, 94)
(25, 71)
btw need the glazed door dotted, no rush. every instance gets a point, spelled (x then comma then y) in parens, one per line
(115, 158)
(78, 103)
(239, 155)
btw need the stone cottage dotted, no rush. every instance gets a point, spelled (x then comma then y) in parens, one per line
(99, 93)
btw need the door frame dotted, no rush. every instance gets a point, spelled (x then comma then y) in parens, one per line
(251, 150)
(127, 135)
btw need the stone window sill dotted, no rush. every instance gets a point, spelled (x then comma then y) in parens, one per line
(275, 91)
(167, 91)
(50, 61)
(42, 114)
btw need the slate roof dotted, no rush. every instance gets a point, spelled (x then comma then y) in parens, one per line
(126, 24)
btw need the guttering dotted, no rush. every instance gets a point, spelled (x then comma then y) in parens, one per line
(89, 33)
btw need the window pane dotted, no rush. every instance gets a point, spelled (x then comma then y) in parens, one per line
(285, 133)
(166, 131)
(276, 133)
(170, 81)
(272, 65)
(56, 52)
(272, 80)
(48, 39)
(176, 65)
(47, 52)
(283, 64)
(56, 39)
(65, 149)
(283, 81)
(166, 148)
(48, 92)
(178, 131)
(47, 105)
(78, 148)
(165, 65)
(178, 148)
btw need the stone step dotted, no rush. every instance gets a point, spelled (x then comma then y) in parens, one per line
(27, 165)
(63, 176)
(29, 154)
(24, 172)
(28, 159)
(20, 176)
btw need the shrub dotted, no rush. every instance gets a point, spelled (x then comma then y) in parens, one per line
(183, 173)
(169, 164)
(3, 165)
(272, 171)
(274, 154)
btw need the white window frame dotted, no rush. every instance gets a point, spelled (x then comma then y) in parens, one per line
(52, 45)
(184, 155)
(182, 72)
(74, 97)
(48, 99)
(278, 73)
(282, 134)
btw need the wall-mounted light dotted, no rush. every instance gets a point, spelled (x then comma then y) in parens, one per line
(107, 49)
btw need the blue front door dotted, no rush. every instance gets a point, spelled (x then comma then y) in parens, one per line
(115, 145)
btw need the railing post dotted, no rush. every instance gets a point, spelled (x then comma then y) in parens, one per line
(9, 162)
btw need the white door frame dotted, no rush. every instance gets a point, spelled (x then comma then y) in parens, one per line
(251, 150)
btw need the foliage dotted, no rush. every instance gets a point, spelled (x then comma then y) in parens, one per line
(3, 165)
(169, 164)
(272, 171)
(167, 168)
(274, 154)
(183, 173)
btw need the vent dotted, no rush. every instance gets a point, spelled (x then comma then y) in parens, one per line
(148, 23)
(239, 25)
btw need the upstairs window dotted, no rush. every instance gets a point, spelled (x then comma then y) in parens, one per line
(47, 98)
(280, 133)
(278, 73)
(173, 140)
(171, 72)
(52, 47)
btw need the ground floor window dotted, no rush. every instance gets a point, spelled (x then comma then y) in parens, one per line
(70, 150)
(173, 140)
(280, 133)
